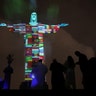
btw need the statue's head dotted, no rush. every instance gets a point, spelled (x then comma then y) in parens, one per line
(34, 16)
(33, 19)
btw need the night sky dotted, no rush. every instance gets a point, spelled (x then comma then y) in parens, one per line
(80, 34)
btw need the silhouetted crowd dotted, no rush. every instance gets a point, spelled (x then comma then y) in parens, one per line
(62, 75)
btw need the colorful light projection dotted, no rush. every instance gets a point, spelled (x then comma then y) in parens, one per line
(33, 39)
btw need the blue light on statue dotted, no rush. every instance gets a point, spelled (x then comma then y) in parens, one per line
(63, 24)
(3, 24)
(33, 19)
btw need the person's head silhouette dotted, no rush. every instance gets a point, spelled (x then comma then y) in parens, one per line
(40, 60)
(77, 53)
(54, 60)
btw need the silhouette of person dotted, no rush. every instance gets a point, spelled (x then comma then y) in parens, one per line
(83, 63)
(24, 85)
(38, 75)
(91, 71)
(57, 75)
(70, 73)
(8, 71)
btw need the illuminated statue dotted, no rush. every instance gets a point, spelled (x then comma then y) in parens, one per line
(33, 39)
(33, 19)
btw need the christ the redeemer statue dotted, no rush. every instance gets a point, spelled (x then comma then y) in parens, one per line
(33, 39)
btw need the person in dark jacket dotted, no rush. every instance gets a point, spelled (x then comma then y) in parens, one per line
(83, 63)
(57, 75)
(39, 72)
